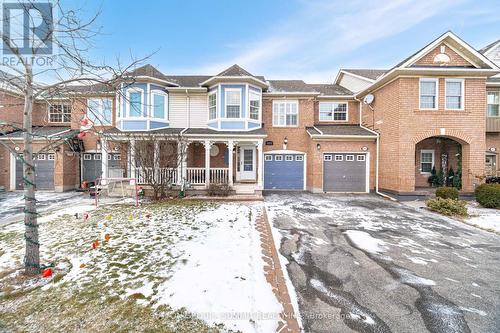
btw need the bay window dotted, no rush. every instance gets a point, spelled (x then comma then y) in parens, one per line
(329, 111)
(454, 89)
(493, 104)
(135, 103)
(99, 110)
(212, 105)
(254, 106)
(60, 113)
(233, 103)
(159, 105)
(285, 113)
(428, 93)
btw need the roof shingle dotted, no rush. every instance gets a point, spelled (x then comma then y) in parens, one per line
(339, 130)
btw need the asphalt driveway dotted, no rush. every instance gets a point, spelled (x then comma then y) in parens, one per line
(361, 263)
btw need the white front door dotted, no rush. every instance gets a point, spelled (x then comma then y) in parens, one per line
(247, 163)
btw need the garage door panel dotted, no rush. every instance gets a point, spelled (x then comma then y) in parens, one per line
(344, 172)
(284, 173)
(44, 173)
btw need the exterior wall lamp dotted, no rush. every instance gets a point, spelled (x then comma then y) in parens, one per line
(98, 145)
(318, 146)
(285, 143)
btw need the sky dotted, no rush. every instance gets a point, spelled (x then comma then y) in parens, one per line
(293, 39)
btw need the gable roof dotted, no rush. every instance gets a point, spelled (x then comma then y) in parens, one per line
(236, 73)
(489, 47)
(148, 71)
(234, 70)
(371, 74)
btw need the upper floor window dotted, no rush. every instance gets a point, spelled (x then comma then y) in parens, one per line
(329, 111)
(135, 103)
(60, 113)
(285, 113)
(428, 93)
(99, 110)
(454, 94)
(233, 103)
(159, 104)
(493, 104)
(254, 106)
(212, 105)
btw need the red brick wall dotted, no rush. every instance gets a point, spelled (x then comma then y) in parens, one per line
(455, 58)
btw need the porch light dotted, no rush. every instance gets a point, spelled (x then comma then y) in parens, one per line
(98, 144)
(318, 146)
(285, 141)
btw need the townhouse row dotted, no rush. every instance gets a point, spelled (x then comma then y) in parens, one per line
(369, 130)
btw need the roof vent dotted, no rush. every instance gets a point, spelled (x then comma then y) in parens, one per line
(442, 58)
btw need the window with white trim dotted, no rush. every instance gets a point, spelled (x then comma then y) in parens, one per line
(60, 113)
(212, 105)
(97, 157)
(254, 105)
(285, 113)
(51, 156)
(233, 103)
(361, 158)
(330, 111)
(87, 157)
(289, 158)
(426, 160)
(159, 105)
(268, 157)
(117, 157)
(278, 157)
(135, 103)
(349, 158)
(99, 110)
(299, 158)
(327, 158)
(428, 93)
(339, 158)
(493, 104)
(40, 157)
(454, 91)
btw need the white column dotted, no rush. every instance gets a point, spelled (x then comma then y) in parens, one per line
(132, 162)
(208, 145)
(104, 159)
(230, 147)
(156, 159)
(260, 164)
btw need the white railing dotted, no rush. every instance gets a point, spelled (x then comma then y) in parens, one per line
(195, 176)
(162, 175)
(219, 175)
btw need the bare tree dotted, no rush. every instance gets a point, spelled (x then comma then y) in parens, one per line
(159, 163)
(39, 75)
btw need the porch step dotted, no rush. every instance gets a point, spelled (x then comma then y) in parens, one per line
(244, 188)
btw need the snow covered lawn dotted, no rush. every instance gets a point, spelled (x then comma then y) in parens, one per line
(180, 266)
(484, 218)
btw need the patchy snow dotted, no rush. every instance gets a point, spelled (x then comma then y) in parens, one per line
(365, 242)
(484, 218)
(222, 279)
(411, 278)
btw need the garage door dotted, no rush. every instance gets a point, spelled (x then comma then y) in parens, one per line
(44, 172)
(344, 172)
(284, 171)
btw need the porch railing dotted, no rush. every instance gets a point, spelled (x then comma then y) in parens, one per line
(219, 175)
(196, 176)
(162, 175)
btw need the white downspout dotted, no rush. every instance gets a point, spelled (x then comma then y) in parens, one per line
(377, 148)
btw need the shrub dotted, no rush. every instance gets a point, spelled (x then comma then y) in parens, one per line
(449, 207)
(488, 195)
(447, 193)
(218, 190)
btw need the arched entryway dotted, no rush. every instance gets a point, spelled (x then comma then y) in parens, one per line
(439, 162)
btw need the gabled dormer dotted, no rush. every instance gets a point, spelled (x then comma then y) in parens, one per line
(235, 100)
(142, 100)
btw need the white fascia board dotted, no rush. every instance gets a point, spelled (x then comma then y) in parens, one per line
(340, 137)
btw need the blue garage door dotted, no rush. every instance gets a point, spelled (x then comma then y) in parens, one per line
(284, 171)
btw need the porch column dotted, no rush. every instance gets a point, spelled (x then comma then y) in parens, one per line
(156, 159)
(260, 164)
(208, 145)
(230, 147)
(132, 173)
(104, 160)
(182, 148)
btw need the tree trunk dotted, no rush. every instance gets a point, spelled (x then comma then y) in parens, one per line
(32, 256)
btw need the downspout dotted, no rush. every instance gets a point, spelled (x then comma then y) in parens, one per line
(377, 149)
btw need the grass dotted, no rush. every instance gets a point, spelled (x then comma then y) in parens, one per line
(101, 296)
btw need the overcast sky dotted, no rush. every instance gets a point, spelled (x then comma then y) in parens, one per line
(307, 40)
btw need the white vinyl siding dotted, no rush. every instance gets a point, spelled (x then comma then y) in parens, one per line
(332, 111)
(428, 93)
(493, 104)
(454, 91)
(285, 113)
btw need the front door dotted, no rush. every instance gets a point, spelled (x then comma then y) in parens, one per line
(491, 167)
(247, 163)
